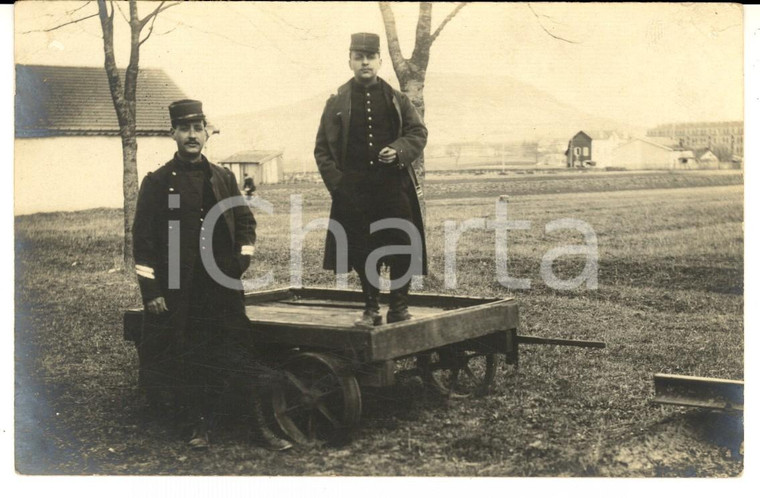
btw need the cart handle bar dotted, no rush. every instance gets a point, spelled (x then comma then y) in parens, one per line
(529, 339)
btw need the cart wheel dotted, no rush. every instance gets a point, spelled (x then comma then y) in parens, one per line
(458, 374)
(320, 402)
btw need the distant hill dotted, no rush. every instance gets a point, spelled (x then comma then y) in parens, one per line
(459, 108)
(463, 108)
(291, 128)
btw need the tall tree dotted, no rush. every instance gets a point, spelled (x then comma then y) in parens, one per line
(123, 93)
(124, 97)
(411, 72)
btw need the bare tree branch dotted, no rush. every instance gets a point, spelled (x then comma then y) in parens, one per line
(394, 47)
(211, 33)
(454, 12)
(166, 32)
(423, 21)
(161, 7)
(70, 12)
(278, 18)
(123, 15)
(538, 18)
(268, 39)
(60, 25)
(150, 31)
(142, 22)
(422, 40)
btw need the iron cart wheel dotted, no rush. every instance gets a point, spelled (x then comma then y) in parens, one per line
(457, 374)
(320, 401)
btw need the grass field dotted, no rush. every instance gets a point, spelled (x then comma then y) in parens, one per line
(670, 299)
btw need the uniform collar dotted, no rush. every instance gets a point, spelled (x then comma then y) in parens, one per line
(186, 165)
(358, 86)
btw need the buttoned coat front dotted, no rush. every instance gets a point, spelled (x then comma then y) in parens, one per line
(172, 198)
(331, 148)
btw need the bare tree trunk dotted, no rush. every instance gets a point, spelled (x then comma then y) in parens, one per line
(130, 187)
(125, 103)
(413, 86)
(411, 72)
(127, 128)
(125, 98)
(129, 134)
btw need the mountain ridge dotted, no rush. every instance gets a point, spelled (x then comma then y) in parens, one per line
(458, 108)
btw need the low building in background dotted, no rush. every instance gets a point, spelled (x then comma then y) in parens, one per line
(610, 150)
(641, 153)
(264, 166)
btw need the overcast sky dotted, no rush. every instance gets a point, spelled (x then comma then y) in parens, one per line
(638, 63)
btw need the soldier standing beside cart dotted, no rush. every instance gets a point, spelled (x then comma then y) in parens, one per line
(369, 135)
(196, 336)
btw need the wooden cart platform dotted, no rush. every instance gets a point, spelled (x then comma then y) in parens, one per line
(453, 340)
(324, 319)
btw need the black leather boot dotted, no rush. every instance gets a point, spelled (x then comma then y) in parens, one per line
(371, 315)
(263, 435)
(398, 310)
(198, 439)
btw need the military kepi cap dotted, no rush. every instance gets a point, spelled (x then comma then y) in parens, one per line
(365, 42)
(186, 110)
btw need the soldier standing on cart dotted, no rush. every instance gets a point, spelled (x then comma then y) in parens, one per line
(368, 138)
(196, 336)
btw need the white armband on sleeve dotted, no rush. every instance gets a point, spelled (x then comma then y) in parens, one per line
(246, 250)
(145, 272)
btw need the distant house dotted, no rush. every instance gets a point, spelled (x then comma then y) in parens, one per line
(640, 153)
(578, 152)
(591, 149)
(264, 166)
(706, 158)
(68, 151)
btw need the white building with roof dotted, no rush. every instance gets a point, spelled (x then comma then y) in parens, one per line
(264, 166)
(68, 153)
(644, 153)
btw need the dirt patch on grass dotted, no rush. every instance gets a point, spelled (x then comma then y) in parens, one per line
(688, 444)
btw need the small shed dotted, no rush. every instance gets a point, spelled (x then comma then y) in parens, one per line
(264, 166)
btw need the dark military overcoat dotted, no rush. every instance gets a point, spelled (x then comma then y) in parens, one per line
(331, 148)
(151, 230)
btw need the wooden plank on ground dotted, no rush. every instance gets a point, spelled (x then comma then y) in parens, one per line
(699, 392)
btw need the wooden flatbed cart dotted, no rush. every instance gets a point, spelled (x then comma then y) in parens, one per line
(452, 341)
